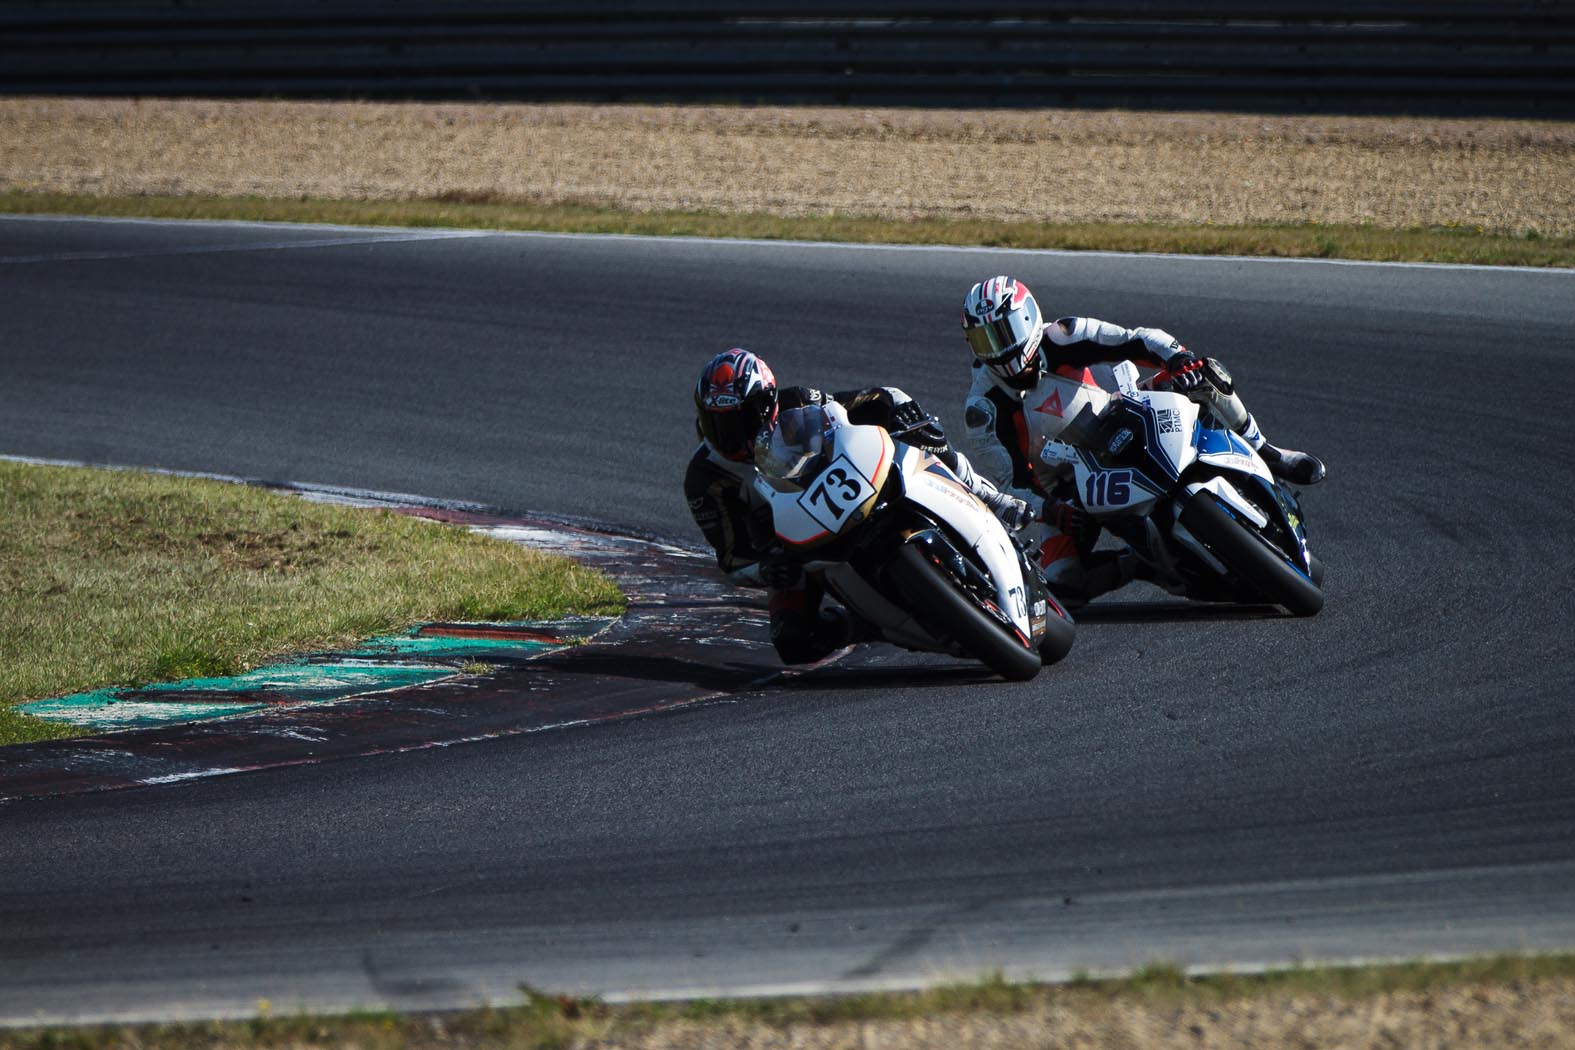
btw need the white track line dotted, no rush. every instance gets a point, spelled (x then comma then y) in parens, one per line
(439, 234)
(333, 493)
(365, 237)
(1067, 253)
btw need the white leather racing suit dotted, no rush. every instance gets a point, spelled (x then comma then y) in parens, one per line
(1004, 430)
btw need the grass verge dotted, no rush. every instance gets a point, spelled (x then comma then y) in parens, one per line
(118, 577)
(1506, 1000)
(462, 211)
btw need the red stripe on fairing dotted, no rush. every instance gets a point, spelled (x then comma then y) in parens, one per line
(799, 543)
(887, 448)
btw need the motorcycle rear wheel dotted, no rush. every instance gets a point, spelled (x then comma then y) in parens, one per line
(949, 613)
(1263, 568)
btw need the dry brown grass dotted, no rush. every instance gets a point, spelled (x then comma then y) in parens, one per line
(1038, 166)
(1534, 1015)
(1525, 1013)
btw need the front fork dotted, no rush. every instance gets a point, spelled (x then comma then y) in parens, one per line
(1038, 591)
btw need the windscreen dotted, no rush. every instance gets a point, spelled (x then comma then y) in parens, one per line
(796, 445)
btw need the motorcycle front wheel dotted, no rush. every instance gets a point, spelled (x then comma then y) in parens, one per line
(947, 612)
(1060, 633)
(1251, 558)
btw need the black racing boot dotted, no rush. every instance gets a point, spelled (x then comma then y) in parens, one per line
(838, 628)
(1103, 572)
(1287, 464)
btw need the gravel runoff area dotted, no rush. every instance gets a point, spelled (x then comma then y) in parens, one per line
(1041, 165)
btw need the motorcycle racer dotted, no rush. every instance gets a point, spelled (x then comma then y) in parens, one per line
(1023, 364)
(735, 396)
(736, 401)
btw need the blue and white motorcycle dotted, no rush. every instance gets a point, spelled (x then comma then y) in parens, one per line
(1191, 497)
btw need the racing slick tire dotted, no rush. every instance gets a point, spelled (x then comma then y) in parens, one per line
(1256, 562)
(1060, 633)
(950, 613)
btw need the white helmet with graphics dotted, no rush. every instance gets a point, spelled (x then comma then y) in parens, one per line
(1003, 326)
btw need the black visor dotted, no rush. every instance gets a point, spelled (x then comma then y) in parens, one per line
(731, 431)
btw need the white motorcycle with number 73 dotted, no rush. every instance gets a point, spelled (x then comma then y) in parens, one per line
(904, 545)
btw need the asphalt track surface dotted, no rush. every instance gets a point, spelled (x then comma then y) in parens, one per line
(1392, 778)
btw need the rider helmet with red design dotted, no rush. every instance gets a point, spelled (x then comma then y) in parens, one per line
(1003, 326)
(735, 397)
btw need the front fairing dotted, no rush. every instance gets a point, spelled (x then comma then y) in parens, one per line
(1132, 455)
(811, 515)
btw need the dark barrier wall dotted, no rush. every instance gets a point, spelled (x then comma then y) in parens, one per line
(1512, 57)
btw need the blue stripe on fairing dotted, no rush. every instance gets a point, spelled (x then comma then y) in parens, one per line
(1212, 442)
(1298, 532)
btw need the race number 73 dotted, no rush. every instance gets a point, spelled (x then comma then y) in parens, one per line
(1108, 488)
(839, 489)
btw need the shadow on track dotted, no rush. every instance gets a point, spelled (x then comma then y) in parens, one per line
(889, 677)
(1175, 612)
(730, 676)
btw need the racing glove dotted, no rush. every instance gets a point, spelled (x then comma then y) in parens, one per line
(1186, 372)
(917, 427)
(1065, 515)
(1012, 512)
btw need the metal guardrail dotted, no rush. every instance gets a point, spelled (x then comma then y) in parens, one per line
(1514, 57)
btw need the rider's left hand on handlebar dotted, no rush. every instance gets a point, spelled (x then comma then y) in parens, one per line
(1186, 372)
(909, 417)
